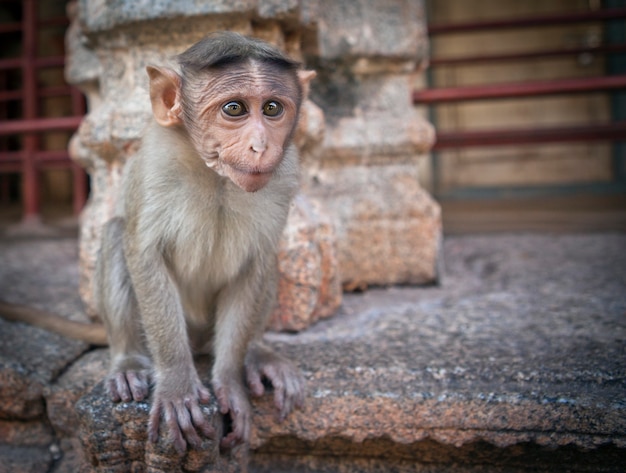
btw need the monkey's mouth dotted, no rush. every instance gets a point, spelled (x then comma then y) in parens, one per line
(250, 180)
(253, 172)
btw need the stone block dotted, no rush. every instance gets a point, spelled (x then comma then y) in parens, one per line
(278, 9)
(36, 433)
(370, 116)
(309, 285)
(24, 459)
(384, 29)
(388, 228)
(31, 357)
(73, 459)
(75, 382)
(102, 15)
(114, 437)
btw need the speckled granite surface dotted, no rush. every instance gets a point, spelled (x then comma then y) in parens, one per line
(522, 350)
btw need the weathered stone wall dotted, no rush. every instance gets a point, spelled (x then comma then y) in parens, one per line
(368, 54)
(362, 215)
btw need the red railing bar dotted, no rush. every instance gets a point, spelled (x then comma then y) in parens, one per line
(55, 91)
(44, 156)
(30, 143)
(542, 20)
(50, 61)
(40, 125)
(10, 167)
(58, 21)
(10, 27)
(39, 62)
(8, 95)
(613, 48)
(13, 63)
(519, 89)
(461, 139)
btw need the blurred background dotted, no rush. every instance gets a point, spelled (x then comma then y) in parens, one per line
(528, 100)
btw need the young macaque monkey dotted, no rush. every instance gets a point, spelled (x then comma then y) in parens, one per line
(188, 264)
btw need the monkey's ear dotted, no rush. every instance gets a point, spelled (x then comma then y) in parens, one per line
(305, 78)
(165, 95)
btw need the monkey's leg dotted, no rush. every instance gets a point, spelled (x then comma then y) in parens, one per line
(236, 320)
(263, 364)
(129, 376)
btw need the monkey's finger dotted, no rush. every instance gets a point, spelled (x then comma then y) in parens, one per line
(199, 420)
(277, 378)
(222, 400)
(289, 400)
(295, 391)
(229, 441)
(121, 387)
(278, 383)
(241, 424)
(255, 383)
(240, 430)
(154, 421)
(112, 390)
(185, 425)
(171, 421)
(204, 395)
(138, 385)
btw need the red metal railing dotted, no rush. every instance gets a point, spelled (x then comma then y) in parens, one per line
(30, 159)
(457, 139)
(591, 132)
(523, 55)
(531, 21)
(520, 89)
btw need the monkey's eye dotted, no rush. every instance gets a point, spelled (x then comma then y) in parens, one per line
(272, 108)
(234, 109)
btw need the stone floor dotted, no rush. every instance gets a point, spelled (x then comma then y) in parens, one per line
(517, 362)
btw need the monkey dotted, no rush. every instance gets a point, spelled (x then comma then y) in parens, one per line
(188, 261)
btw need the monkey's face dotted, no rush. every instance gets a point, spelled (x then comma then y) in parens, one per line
(243, 119)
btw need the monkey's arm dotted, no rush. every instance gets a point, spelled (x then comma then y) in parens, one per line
(178, 391)
(92, 333)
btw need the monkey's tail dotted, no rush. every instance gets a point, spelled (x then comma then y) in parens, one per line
(95, 333)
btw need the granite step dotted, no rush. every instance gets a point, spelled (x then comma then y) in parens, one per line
(516, 362)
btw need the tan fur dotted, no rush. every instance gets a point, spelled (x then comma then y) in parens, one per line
(188, 263)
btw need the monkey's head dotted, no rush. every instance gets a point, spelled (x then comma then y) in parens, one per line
(238, 99)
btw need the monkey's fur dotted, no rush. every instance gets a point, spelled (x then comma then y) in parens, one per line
(188, 263)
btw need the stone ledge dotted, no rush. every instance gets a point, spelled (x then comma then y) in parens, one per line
(517, 359)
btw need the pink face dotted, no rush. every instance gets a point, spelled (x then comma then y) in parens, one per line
(242, 120)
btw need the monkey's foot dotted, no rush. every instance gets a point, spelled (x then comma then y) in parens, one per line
(262, 364)
(129, 378)
(128, 385)
(179, 409)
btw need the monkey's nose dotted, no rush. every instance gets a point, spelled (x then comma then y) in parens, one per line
(258, 145)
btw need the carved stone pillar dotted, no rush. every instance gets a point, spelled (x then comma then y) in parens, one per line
(369, 55)
(109, 47)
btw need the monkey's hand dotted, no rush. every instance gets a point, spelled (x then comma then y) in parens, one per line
(177, 403)
(233, 401)
(262, 364)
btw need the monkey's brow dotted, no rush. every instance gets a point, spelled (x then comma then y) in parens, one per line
(246, 89)
(257, 75)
